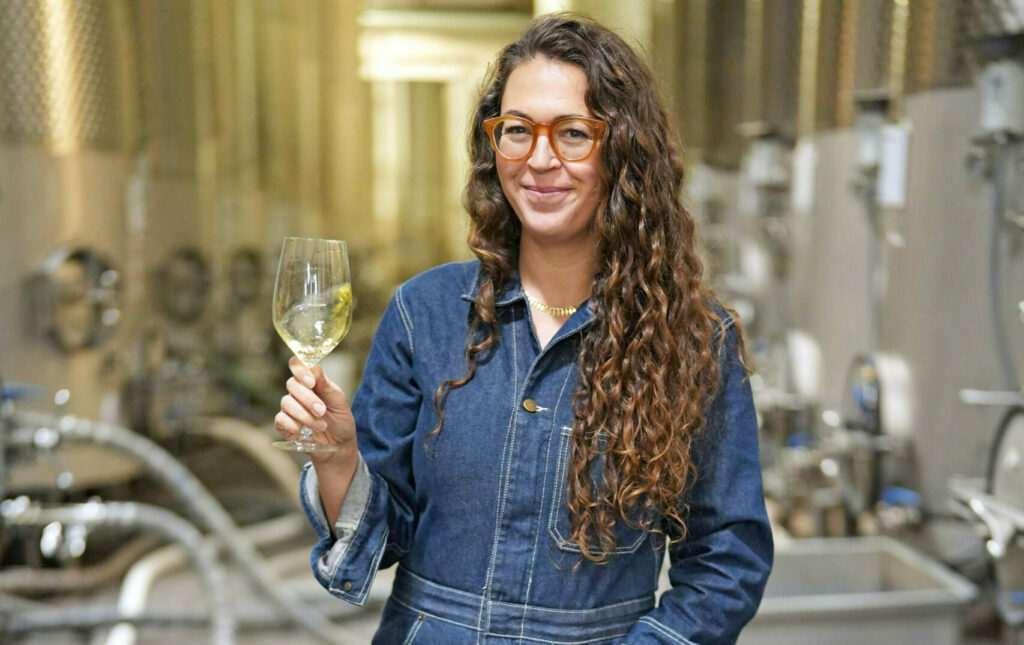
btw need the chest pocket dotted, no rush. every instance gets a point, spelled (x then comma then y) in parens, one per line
(627, 539)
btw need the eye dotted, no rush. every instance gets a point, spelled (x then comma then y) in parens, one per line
(515, 129)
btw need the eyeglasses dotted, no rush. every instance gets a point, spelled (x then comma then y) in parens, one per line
(572, 138)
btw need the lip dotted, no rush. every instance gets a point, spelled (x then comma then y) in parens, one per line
(546, 196)
(546, 190)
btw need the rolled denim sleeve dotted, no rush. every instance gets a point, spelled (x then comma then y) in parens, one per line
(376, 520)
(719, 571)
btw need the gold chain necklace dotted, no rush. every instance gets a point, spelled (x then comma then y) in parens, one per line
(557, 312)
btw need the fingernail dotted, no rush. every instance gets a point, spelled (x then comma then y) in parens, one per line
(319, 407)
(309, 380)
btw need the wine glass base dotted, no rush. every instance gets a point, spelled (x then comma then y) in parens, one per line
(305, 446)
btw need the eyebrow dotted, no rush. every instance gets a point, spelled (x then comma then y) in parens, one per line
(527, 116)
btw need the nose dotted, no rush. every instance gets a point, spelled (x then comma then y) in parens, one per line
(543, 156)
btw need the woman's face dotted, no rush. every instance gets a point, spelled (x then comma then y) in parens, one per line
(554, 200)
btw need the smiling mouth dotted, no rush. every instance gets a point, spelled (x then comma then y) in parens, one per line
(544, 190)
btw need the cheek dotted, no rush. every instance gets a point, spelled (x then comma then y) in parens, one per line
(590, 178)
(506, 177)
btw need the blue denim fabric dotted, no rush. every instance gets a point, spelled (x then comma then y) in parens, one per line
(476, 518)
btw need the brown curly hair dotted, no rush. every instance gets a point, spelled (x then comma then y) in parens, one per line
(648, 365)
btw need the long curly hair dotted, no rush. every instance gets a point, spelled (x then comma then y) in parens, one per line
(648, 365)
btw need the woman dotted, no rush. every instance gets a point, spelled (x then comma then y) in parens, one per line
(535, 429)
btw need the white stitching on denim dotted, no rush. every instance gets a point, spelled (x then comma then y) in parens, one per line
(374, 566)
(482, 633)
(726, 324)
(556, 507)
(657, 561)
(543, 495)
(556, 496)
(444, 588)
(359, 597)
(665, 630)
(589, 641)
(415, 629)
(406, 319)
(644, 602)
(484, 609)
(435, 616)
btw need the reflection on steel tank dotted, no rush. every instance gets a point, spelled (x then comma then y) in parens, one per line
(167, 389)
(246, 369)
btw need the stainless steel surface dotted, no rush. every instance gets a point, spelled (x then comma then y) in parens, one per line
(1002, 523)
(63, 82)
(855, 591)
(997, 398)
(935, 309)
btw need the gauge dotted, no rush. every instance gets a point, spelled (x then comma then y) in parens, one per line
(74, 298)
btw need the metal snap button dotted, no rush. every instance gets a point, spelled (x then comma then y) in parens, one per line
(347, 585)
(530, 405)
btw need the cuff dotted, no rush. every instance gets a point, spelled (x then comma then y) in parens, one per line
(346, 557)
(352, 509)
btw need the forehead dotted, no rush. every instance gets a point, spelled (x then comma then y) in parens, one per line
(543, 89)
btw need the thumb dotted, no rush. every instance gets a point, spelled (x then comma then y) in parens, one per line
(330, 392)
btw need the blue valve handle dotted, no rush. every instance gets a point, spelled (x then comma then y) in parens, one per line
(900, 496)
(20, 391)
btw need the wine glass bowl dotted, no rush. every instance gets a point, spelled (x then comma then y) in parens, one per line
(312, 308)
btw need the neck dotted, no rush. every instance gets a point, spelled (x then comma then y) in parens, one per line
(558, 275)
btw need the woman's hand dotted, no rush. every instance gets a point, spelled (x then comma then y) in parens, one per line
(315, 401)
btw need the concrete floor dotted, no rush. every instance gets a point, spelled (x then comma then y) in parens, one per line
(181, 591)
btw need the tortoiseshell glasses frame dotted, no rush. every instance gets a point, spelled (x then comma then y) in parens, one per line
(591, 140)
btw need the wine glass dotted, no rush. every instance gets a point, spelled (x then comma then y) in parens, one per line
(312, 309)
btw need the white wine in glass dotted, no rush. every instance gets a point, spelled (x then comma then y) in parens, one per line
(312, 309)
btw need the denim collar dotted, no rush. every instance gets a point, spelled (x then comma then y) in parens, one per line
(513, 292)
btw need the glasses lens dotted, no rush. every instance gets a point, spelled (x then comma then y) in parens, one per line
(574, 139)
(513, 137)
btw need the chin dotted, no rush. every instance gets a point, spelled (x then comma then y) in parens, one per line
(551, 226)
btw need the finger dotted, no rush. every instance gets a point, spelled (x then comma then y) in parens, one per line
(306, 397)
(286, 426)
(294, 409)
(305, 375)
(331, 394)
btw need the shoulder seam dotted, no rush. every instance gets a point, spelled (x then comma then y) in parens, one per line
(406, 318)
(727, 321)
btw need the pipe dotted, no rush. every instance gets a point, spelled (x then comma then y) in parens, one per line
(30, 580)
(33, 620)
(141, 578)
(20, 512)
(997, 270)
(191, 493)
(253, 443)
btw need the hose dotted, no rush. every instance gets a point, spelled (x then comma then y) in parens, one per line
(144, 574)
(36, 620)
(253, 443)
(19, 512)
(191, 493)
(997, 272)
(996, 447)
(30, 580)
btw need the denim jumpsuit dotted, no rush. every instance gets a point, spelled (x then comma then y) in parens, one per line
(476, 518)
